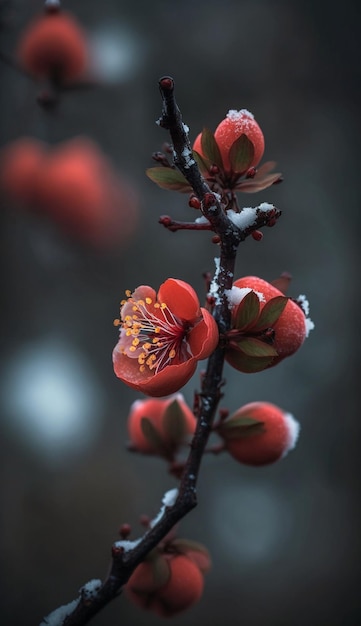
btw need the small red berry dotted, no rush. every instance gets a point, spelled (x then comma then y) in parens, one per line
(166, 83)
(277, 434)
(194, 202)
(125, 530)
(257, 235)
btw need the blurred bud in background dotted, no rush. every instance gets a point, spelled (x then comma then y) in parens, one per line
(54, 47)
(75, 185)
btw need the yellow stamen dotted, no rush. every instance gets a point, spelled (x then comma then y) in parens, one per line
(153, 339)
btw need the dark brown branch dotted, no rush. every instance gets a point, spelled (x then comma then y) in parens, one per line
(171, 120)
(127, 555)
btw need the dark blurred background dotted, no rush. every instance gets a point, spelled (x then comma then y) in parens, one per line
(284, 539)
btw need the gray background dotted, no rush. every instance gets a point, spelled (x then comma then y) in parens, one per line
(284, 539)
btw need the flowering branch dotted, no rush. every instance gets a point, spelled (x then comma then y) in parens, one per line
(127, 555)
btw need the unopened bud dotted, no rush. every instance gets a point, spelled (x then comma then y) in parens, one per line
(166, 83)
(209, 200)
(257, 235)
(194, 202)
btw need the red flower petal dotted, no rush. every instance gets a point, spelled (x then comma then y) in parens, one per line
(167, 381)
(203, 338)
(180, 298)
(141, 293)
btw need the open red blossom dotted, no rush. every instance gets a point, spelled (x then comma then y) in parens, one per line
(162, 337)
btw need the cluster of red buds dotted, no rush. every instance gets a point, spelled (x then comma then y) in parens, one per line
(72, 184)
(171, 578)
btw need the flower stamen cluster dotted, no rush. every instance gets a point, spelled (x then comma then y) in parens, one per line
(152, 334)
(162, 337)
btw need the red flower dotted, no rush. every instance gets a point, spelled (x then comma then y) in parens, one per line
(162, 338)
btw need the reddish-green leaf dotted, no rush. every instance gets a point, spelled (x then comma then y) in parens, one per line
(247, 311)
(265, 168)
(210, 148)
(203, 163)
(152, 435)
(282, 282)
(160, 571)
(195, 551)
(255, 348)
(247, 364)
(252, 185)
(242, 426)
(185, 545)
(168, 178)
(174, 424)
(270, 313)
(241, 154)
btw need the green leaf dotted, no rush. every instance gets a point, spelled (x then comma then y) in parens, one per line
(241, 154)
(168, 178)
(243, 426)
(174, 424)
(195, 551)
(160, 571)
(152, 435)
(271, 312)
(247, 364)
(252, 185)
(210, 148)
(247, 311)
(256, 348)
(203, 163)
